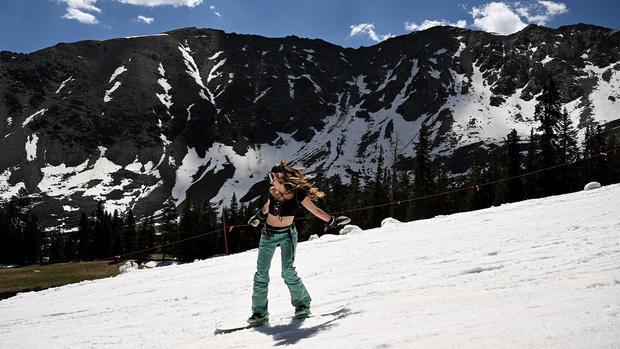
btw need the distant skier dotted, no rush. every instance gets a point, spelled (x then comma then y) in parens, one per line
(288, 191)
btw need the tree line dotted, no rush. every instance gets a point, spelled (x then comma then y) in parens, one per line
(554, 142)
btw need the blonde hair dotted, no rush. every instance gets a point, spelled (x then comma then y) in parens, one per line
(296, 180)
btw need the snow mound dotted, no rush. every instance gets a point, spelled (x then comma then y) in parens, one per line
(350, 229)
(592, 185)
(389, 221)
(156, 264)
(313, 237)
(128, 267)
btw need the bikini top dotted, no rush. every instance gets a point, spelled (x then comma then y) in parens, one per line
(288, 207)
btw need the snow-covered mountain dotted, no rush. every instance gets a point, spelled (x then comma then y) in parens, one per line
(541, 273)
(203, 113)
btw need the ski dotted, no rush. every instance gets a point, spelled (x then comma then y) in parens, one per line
(318, 313)
(233, 329)
(333, 311)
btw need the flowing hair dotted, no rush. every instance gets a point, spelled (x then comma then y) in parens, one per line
(296, 180)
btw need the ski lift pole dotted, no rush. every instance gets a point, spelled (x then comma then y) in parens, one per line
(225, 239)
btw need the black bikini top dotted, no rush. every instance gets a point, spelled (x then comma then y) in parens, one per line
(286, 208)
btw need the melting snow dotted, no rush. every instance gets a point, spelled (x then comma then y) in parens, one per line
(64, 83)
(31, 117)
(117, 72)
(108, 93)
(546, 60)
(94, 180)
(145, 36)
(218, 53)
(7, 190)
(538, 273)
(462, 47)
(192, 68)
(262, 94)
(31, 147)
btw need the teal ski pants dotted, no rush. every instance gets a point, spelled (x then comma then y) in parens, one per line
(271, 238)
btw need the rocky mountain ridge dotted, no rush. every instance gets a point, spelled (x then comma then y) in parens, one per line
(203, 113)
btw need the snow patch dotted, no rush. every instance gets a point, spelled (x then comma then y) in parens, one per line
(130, 266)
(31, 147)
(190, 64)
(117, 72)
(31, 117)
(559, 269)
(261, 94)
(351, 229)
(7, 190)
(108, 93)
(62, 85)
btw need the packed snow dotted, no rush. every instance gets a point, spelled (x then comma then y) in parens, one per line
(541, 273)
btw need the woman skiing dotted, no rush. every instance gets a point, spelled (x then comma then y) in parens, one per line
(288, 190)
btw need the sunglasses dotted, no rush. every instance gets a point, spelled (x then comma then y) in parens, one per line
(274, 175)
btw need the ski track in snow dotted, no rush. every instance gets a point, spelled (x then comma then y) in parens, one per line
(542, 273)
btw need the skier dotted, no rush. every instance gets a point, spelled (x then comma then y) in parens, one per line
(288, 191)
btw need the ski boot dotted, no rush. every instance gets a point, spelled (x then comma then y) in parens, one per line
(302, 311)
(258, 319)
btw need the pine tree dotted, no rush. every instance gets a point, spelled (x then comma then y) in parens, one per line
(445, 204)
(31, 241)
(547, 111)
(613, 159)
(84, 242)
(353, 200)
(511, 190)
(57, 247)
(600, 165)
(532, 186)
(188, 226)
(378, 193)
(129, 233)
(116, 234)
(233, 217)
(169, 227)
(567, 139)
(568, 151)
(403, 192)
(474, 179)
(423, 183)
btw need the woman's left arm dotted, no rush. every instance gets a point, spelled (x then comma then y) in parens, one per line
(310, 206)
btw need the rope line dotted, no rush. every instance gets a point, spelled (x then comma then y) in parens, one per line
(475, 186)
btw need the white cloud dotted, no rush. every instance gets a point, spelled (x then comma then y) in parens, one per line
(82, 17)
(369, 29)
(153, 3)
(497, 17)
(147, 20)
(76, 8)
(554, 8)
(87, 5)
(212, 8)
(433, 23)
(503, 18)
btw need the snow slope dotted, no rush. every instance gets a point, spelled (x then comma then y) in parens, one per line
(538, 274)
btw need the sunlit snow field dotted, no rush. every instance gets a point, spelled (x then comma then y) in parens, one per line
(535, 274)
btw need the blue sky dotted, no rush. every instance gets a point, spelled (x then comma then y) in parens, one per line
(30, 25)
